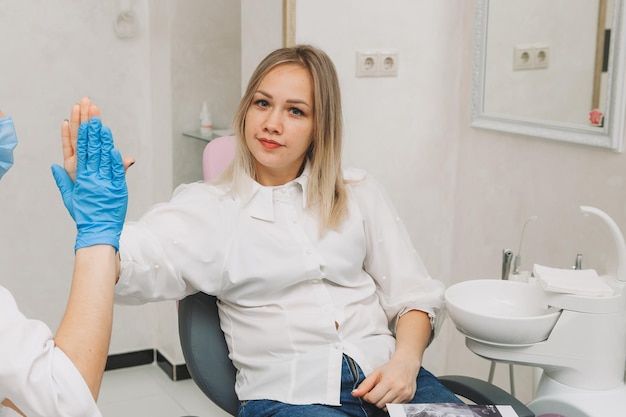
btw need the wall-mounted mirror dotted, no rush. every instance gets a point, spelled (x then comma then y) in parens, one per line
(551, 69)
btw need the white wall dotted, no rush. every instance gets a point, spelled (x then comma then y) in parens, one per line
(261, 33)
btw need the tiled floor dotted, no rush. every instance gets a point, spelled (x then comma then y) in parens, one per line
(147, 391)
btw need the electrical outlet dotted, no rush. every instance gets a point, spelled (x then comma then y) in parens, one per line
(528, 57)
(367, 64)
(523, 58)
(541, 57)
(376, 64)
(388, 64)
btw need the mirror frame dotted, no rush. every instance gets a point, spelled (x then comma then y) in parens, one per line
(609, 136)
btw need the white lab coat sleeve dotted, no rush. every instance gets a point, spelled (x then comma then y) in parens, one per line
(34, 374)
(402, 281)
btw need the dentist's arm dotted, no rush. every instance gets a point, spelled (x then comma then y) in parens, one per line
(85, 331)
(83, 337)
(97, 202)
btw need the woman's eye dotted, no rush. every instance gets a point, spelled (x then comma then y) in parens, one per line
(296, 111)
(262, 103)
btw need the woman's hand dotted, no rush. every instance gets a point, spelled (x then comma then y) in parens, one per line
(394, 382)
(81, 112)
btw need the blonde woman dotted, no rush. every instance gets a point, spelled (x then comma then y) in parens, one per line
(325, 305)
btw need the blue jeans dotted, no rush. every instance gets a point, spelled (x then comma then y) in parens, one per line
(429, 390)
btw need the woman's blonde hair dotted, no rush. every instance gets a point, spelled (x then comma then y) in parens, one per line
(326, 190)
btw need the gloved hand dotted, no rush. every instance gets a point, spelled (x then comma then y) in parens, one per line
(98, 200)
(8, 142)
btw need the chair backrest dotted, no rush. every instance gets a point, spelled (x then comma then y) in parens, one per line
(201, 336)
(205, 350)
(217, 155)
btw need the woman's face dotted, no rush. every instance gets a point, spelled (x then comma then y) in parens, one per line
(279, 123)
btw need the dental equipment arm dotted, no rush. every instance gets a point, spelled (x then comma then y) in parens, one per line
(616, 234)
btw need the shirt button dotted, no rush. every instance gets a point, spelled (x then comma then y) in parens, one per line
(337, 345)
(307, 252)
(156, 266)
(315, 281)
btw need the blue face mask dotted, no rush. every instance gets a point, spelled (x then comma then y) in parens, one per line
(8, 142)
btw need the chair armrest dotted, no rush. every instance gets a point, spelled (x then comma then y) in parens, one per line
(482, 392)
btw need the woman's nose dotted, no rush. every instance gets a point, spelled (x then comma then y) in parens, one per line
(273, 122)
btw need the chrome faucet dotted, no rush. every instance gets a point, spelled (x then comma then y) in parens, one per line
(579, 262)
(507, 256)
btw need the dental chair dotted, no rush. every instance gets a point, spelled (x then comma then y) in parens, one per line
(206, 353)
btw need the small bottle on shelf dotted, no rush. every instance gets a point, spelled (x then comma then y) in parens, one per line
(206, 125)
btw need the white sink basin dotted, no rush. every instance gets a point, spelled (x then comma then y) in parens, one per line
(501, 312)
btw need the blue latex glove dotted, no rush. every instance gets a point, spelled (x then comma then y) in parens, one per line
(97, 201)
(8, 142)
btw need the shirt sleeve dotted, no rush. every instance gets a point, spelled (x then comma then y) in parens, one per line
(402, 281)
(34, 374)
(172, 251)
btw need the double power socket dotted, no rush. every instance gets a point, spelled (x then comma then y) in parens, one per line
(529, 57)
(376, 64)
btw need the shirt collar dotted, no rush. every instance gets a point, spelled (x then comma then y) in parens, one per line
(260, 198)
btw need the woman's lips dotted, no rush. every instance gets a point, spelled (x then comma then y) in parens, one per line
(269, 144)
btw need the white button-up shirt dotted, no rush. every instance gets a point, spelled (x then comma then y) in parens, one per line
(291, 301)
(34, 374)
